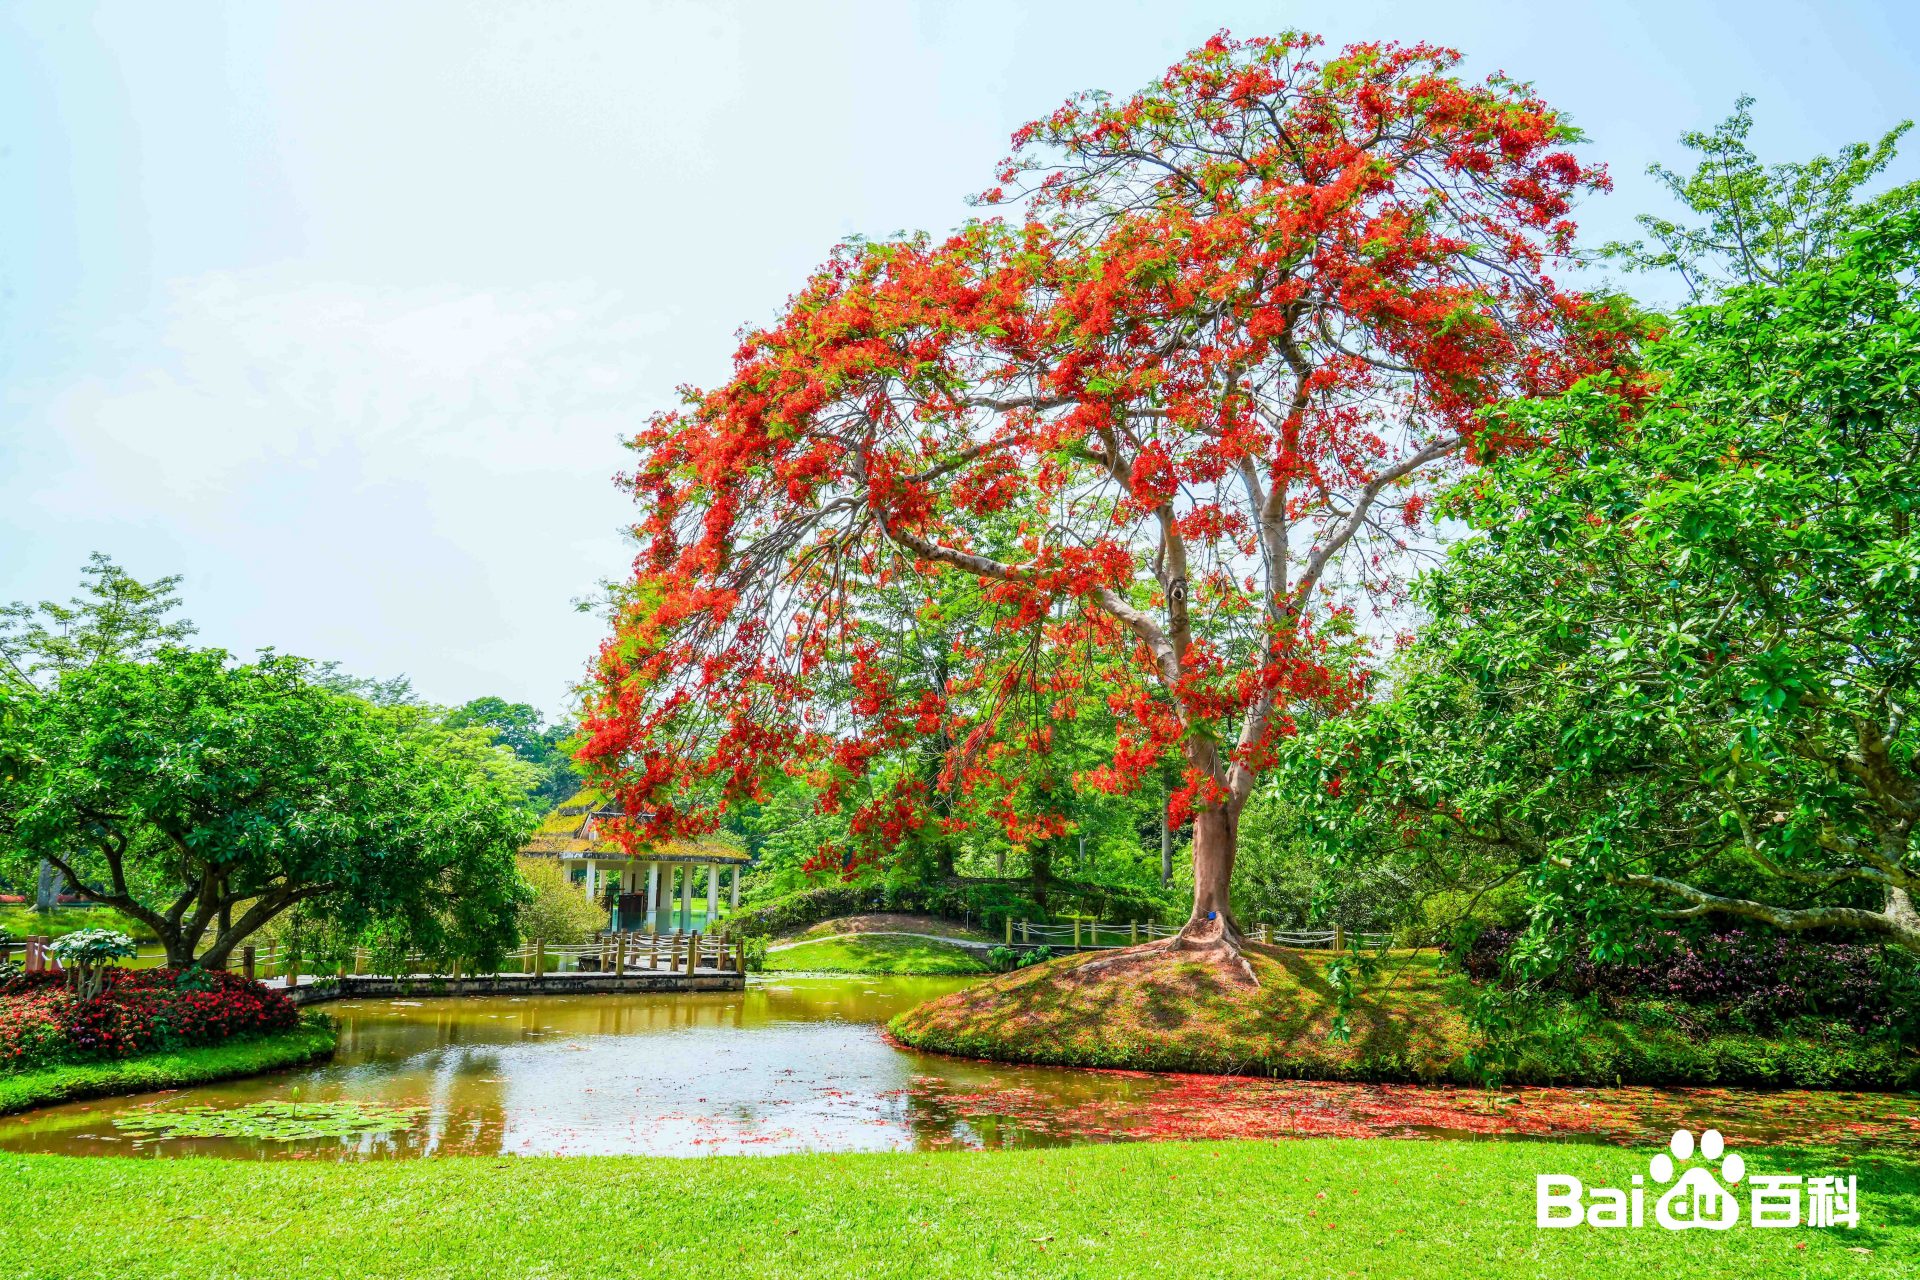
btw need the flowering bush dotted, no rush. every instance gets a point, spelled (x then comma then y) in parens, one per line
(86, 954)
(1756, 978)
(137, 1011)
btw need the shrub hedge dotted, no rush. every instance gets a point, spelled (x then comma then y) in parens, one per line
(1750, 979)
(139, 1011)
(987, 904)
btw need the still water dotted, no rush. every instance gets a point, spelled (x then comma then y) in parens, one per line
(803, 1063)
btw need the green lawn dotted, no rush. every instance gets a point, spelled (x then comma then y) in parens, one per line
(313, 1038)
(24, 922)
(1296, 1209)
(877, 953)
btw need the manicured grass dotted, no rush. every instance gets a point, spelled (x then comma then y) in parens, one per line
(25, 922)
(1300, 1209)
(1154, 1010)
(67, 1082)
(877, 953)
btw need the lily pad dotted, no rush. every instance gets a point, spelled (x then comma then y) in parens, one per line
(271, 1121)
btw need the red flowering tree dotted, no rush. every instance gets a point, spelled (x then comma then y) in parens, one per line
(1167, 419)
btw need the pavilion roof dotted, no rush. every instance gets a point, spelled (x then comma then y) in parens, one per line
(572, 830)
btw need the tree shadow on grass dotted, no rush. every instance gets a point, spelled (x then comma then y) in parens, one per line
(1406, 1026)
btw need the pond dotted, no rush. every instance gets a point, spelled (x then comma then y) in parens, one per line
(803, 1063)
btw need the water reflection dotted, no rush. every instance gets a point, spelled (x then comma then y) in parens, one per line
(802, 1063)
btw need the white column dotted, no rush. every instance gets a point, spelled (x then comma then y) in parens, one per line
(686, 898)
(737, 869)
(713, 892)
(592, 867)
(653, 892)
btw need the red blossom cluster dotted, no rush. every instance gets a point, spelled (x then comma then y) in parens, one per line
(1170, 419)
(140, 1010)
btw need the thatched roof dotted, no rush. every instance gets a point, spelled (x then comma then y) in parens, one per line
(573, 831)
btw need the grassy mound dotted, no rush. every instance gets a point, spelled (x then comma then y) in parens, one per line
(1155, 1010)
(169, 1069)
(877, 953)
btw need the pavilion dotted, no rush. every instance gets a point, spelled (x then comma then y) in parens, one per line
(656, 887)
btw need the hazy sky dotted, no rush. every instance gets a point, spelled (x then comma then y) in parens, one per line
(341, 310)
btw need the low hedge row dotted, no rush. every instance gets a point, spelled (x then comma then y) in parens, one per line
(42, 1022)
(987, 904)
(312, 1040)
(1751, 979)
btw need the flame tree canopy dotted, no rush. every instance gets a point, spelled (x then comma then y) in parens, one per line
(1168, 419)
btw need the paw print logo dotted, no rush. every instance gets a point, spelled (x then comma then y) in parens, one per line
(1697, 1199)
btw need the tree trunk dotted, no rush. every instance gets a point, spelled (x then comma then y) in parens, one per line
(1040, 864)
(225, 918)
(179, 948)
(1216, 835)
(1166, 843)
(1906, 919)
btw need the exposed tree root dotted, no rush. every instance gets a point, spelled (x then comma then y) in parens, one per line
(1220, 951)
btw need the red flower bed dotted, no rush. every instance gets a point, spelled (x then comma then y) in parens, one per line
(141, 1010)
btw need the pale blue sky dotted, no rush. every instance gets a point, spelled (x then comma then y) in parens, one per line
(341, 309)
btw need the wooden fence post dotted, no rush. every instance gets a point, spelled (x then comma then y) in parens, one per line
(1026, 934)
(246, 962)
(1009, 930)
(1339, 938)
(1133, 932)
(1076, 933)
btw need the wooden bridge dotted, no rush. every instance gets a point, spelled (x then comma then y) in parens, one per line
(611, 963)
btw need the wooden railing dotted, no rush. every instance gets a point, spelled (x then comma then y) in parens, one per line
(1096, 935)
(604, 953)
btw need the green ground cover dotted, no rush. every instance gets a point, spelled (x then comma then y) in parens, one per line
(1153, 1011)
(1302, 1209)
(171, 1069)
(877, 953)
(24, 922)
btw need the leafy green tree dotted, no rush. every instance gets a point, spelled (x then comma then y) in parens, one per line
(116, 617)
(1762, 223)
(395, 691)
(520, 728)
(1675, 673)
(205, 798)
(1285, 877)
(553, 910)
